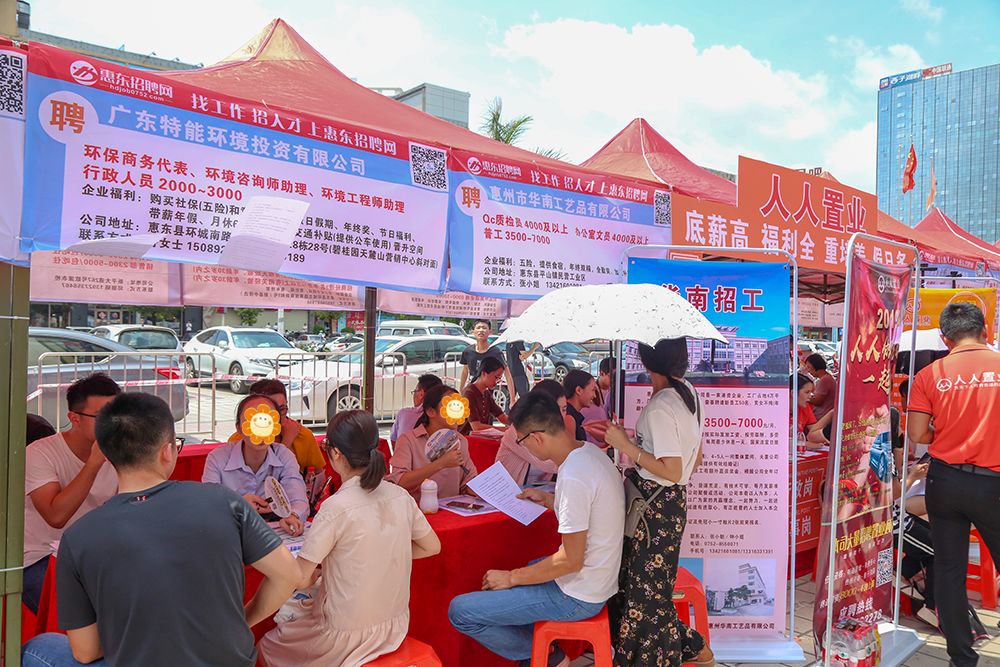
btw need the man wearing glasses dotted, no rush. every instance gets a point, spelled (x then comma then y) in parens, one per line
(65, 476)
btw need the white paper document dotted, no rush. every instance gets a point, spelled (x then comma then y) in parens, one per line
(498, 488)
(466, 506)
(119, 246)
(264, 233)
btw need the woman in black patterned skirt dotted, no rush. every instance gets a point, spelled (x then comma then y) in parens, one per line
(646, 631)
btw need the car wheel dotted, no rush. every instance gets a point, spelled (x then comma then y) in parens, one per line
(561, 372)
(341, 400)
(191, 371)
(502, 398)
(238, 386)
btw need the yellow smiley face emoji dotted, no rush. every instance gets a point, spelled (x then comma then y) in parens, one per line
(261, 423)
(455, 409)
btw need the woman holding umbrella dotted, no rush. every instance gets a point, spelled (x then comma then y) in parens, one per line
(645, 628)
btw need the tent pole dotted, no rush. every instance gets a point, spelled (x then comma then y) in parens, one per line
(371, 314)
(13, 381)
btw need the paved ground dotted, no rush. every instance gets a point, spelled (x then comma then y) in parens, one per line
(932, 654)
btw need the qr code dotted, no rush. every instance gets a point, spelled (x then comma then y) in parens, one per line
(428, 167)
(884, 568)
(11, 84)
(661, 208)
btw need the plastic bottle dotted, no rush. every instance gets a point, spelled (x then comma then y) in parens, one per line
(429, 496)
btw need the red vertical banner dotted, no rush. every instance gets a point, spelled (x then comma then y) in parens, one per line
(860, 519)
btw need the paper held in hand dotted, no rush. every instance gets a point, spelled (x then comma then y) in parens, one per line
(498, 488)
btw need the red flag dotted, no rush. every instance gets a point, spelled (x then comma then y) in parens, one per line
(933, 192)
(909, 170)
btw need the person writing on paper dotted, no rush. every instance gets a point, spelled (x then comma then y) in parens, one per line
(365, 537)
(410, 464)
(577, 580)
(524, 467)
(645, 628)
(807, 422)
(156, 576)
(483, 409)
(244, 466)
(581, 388)
(406, 418)
(65, 476)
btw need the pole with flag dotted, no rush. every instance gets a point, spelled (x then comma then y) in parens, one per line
(909, 182)
(933, 192)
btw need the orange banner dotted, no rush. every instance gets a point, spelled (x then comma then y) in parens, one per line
(933, 301)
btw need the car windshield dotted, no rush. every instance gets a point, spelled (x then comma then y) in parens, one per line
(352, 355)
(568, 348)
(260, 339)
(139, 339)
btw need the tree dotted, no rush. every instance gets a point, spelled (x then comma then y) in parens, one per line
(331, 317)
(512, 130)
(248, 316)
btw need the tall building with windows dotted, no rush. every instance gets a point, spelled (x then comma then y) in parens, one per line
(953, 121)
(445, 103)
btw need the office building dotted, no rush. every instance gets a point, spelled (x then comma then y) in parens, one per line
(445, 103)
(953, 120)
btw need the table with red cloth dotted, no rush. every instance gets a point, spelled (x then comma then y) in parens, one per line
(483, 450)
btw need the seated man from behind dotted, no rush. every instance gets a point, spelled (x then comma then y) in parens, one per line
(65, 476)
(483, 409)
(576, 581)
(155, 577)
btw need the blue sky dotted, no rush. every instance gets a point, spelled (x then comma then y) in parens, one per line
(788, 82)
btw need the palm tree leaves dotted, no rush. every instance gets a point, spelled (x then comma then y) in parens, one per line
(510, 131)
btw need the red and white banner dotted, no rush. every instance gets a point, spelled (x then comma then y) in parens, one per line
(79, 278)
(237, 288)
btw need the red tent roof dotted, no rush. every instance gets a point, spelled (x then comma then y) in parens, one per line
(280, 68)
(942, 228)
(640, 151)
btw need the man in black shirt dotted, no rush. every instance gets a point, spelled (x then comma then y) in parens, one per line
(155, 577)
(581, 389)
(472, 358)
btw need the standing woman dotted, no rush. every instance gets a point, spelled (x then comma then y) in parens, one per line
(645, 629)
(366, 536)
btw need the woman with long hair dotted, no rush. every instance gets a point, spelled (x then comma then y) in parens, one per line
(365, 536)
(452, 471)
(646, 631)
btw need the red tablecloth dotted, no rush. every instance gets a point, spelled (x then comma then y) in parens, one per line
(483, 450)
(809, 508)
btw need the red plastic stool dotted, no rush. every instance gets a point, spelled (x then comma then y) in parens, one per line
(984, 575)
(410, 653)
(595, 631)
(690, 594)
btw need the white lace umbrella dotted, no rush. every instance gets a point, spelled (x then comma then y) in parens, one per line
(644, 313)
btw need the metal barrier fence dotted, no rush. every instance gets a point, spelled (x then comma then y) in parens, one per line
(161, 373)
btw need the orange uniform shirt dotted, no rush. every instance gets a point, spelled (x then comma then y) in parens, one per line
(961, 392)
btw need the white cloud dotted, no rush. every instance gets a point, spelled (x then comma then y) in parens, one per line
(924, 9)
(871, 63)
(851, 158)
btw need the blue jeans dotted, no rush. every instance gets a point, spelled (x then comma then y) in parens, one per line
(503, 621)
(51, 650)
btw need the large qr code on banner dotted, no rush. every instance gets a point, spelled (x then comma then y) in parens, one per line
(661, 208)
(884, 568)
(11, 84)
(428, 167)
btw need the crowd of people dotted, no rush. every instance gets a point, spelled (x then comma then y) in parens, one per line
(151, 571)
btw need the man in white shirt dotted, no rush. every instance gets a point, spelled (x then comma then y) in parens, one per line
(573, 583)
(65, 476)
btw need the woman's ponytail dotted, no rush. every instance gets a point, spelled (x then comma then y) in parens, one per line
(669, 358)
(354, 434)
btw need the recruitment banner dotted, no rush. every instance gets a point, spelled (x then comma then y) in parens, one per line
(80, 278)
(934, 300)
(737, 536)
(517, 230)
(218, 286)
(858, 517)
(449, 304)
(129, 162)
(13, 75)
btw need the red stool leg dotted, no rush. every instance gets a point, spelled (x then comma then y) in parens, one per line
(987, 577)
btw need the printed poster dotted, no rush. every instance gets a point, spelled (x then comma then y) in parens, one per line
(120, 153)
(13, 76)
(217, 286)
(518, 230)
(860, 521)
(934, 300)
(737, 536)
(80, 278)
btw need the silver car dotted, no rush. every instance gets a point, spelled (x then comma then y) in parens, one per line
(59, 357)
(140, 337)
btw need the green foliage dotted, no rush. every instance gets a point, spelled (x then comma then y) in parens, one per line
(248, 316)
(512, 130)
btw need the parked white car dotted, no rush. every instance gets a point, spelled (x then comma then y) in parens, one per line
(419, 328)
(242, 352)
(318, 388)
(140, 337)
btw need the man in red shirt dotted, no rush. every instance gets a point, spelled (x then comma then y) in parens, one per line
(954, 407)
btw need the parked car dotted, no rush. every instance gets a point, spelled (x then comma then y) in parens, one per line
(331, 384)
(566, 357)
(311, 342)
(243, 352)
(140, 337)
(65, 361)
(342, 342)
(419, 328)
